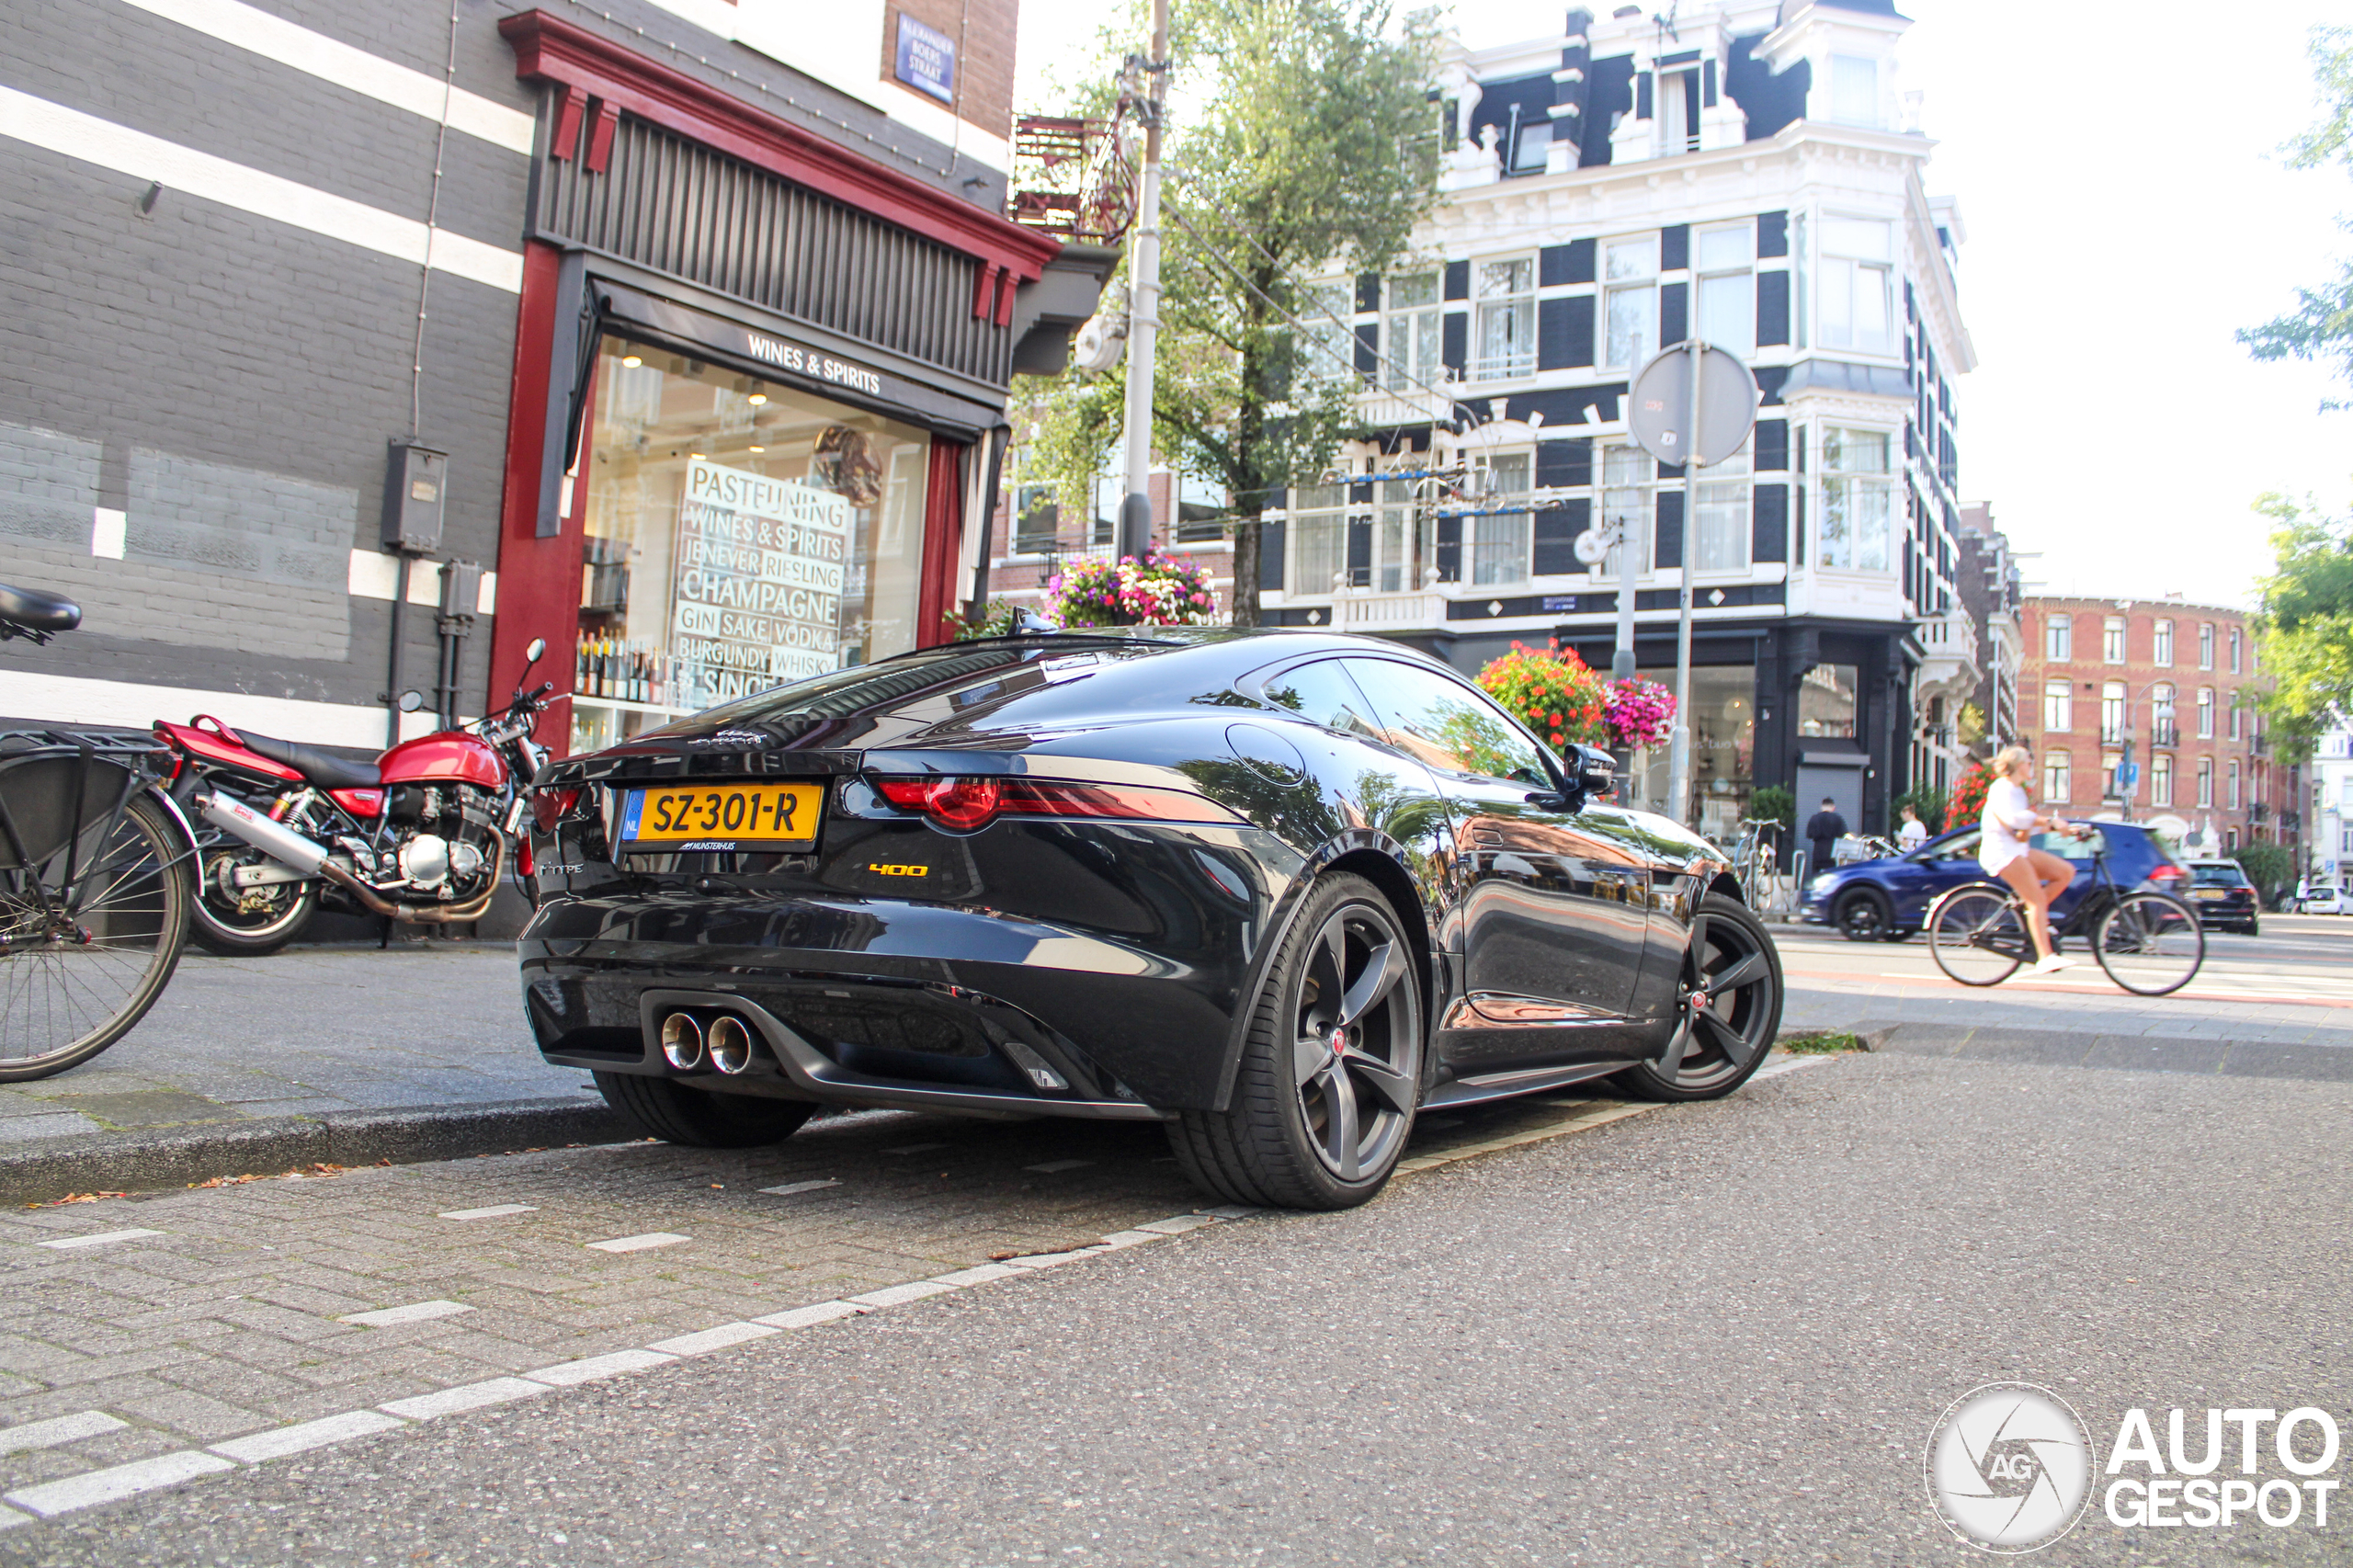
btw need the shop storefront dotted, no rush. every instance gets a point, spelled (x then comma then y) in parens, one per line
(759, 392)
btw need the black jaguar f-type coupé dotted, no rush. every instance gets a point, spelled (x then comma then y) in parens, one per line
(1277, 890)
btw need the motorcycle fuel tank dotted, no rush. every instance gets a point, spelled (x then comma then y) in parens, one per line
(448, 756)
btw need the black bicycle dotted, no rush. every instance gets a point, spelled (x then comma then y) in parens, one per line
(2149, 943)
(94, 889)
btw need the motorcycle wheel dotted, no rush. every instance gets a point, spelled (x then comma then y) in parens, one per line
(230, 931)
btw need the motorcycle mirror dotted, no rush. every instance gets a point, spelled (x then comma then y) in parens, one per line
(537, 650)
(411, 701)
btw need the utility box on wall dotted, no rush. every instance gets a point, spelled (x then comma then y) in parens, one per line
(416, 480)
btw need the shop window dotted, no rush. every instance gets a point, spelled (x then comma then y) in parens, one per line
(1318, 541)
(738, 536)
(1857, 497)
(1505, 300)
(1722, 711)
(1828, 702)
(1630, 304)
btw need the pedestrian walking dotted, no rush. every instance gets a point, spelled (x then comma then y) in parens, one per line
(2035, 875)
(1913, 833)
(1822, 831)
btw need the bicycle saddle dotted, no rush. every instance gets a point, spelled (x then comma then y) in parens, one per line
(35, 611)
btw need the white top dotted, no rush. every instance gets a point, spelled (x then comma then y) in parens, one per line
(1911, 835)
(2007, 820)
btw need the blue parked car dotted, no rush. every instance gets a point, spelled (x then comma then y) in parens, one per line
(1887, 900)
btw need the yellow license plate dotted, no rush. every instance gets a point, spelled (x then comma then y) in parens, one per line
(729, 816)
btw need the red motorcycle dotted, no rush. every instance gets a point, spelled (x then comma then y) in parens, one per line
(423, 834)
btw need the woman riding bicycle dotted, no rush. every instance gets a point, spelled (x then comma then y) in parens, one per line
(2035, 875)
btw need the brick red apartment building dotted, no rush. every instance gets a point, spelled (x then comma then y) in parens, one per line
(2097, 672)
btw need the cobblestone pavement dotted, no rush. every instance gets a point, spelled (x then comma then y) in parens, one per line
(139, 1331)
(304, 1031)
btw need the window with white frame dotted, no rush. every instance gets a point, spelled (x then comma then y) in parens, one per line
(1330, 351)
(1503, 306)
(2111, 640)
(2161, 781)
(1854, 90)
(1495, 547)
(2058, 639)
(1396, 541)
(2206, 781)
(1630, 303)
(1318, 540)
(1528, 154)
(1412, 332)
(2054, 777)
(1857, 285)
(2058, 706)
(2165, 722)
(2161, 645)
(2108, 763)
(2206, 645)
(2205, 712)
(1720, 538)
(1858, 499)
(2111, 713)
(1725, 263)
(2237, 722)
(1628, 481)
(2231, 782)
(2234, 649)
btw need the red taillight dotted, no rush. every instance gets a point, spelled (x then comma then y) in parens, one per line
(525, 864)
(2167, 874)
(550, 807)
(965, 804)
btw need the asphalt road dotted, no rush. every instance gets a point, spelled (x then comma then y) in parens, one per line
(1713, 1333)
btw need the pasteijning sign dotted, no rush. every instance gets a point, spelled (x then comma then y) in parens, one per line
(761, 564)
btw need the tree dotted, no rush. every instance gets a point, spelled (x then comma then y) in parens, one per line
(2305, 622)
(1305, 143)
(2321, 327)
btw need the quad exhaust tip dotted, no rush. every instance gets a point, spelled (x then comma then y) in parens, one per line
(730, 1046)
(682, 1043)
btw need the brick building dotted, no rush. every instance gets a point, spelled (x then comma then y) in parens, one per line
(610, 261)
(2176, 680)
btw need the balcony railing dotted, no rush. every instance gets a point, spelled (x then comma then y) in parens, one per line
(2166, 735)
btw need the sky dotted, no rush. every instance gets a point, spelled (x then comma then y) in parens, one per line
(2127, 209)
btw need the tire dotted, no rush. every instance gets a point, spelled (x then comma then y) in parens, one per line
(1863, 915)
(1324, 1095)
(2252, 928)
(1975, 935)
(1728, 1009)
(235, 934)
(2149, 943)
(70, 999)
(666, 1109)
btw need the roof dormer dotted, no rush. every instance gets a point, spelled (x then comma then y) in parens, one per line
(1849, 47)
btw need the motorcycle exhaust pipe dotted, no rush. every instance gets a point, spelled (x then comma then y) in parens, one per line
(274, 839)
(731, 1047)
(682, 1042)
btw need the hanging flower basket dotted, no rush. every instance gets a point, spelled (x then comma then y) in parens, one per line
(1156, 591)
(1552, 692)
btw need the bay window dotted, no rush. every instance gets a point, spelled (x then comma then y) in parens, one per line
(1858, 499)
(1857, 285)
(1720, 538)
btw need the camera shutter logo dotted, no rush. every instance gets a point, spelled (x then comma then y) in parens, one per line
(2010, 1467)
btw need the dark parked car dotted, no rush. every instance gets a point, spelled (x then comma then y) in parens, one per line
(2223, 895)
(1276, 890)
(1888, 899)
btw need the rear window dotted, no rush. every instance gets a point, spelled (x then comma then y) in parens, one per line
(2219, 875)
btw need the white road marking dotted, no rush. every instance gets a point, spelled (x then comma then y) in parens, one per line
(115, 1483)
(1056, 1259)
(712, 1339)
(308, 1435)
(493, 1212)
(57, 1429)
(899, 1295)
(589, 1369)
(1055, 1167)
(980, 1276)
(789, 1188)
(416, 1312)
(103, 1238)
(638, 1244)
(464, 1397)
(811, 1316)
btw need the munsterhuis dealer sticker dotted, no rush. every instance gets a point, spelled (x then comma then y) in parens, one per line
(2011, 1468)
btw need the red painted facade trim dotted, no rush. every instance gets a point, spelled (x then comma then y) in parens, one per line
(550, 48)
(600, 139)
(943, 537)
(539, 579)
(568, 105)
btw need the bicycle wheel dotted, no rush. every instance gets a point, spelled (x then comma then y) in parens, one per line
(1976, 936)
(2149, 943)
(80, 964)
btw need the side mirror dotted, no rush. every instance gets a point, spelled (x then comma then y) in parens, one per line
(537, 650)
(412, 701)
(1595, 771)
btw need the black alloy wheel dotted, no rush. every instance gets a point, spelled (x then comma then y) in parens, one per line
(699, 1119)
(1324, 1095)
(1727, 1009)
(1864, 916)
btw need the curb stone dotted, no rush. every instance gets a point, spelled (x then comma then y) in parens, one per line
(175, 1157)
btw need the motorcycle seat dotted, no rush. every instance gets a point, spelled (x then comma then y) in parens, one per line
(37, 611)
(322, 769)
